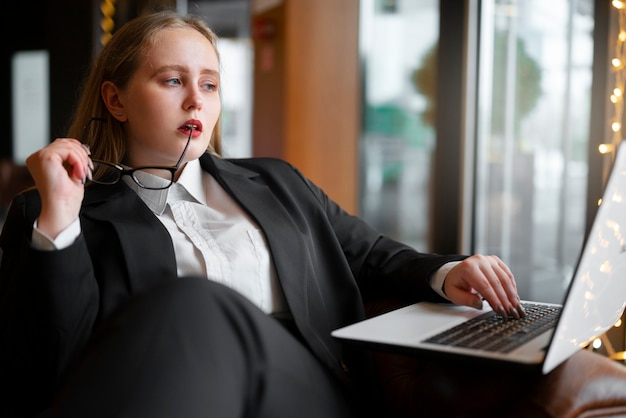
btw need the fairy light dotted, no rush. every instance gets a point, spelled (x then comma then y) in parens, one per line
(617, 67)
(597, 343)
(107, 24)
(619, 70)
(605, 148)
(616, 127)
(603, 341)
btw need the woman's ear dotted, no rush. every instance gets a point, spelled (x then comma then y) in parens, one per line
(111, 97)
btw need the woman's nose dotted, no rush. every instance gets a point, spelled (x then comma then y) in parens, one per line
(194, 99)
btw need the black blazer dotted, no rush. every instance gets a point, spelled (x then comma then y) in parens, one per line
(327, 261)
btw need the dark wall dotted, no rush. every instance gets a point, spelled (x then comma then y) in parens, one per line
(27, 33)
(69, 27)
(65, 30)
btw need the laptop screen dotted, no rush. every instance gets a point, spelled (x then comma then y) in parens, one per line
(596, 296)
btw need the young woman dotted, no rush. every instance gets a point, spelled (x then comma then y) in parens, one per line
(145, 275)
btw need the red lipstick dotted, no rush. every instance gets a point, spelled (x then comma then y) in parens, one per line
(186, 127)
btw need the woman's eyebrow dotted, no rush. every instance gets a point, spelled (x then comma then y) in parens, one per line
(182, 68)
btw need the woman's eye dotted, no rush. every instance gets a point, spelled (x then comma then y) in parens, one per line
(173, 81)
(210, 86)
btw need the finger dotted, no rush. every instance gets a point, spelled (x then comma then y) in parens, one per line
(74, 157)
(483, 275)
(461, 294)
(510, 287)
(86, 165)
(500, 289)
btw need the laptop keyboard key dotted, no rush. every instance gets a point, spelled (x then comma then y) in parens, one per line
(493, 332)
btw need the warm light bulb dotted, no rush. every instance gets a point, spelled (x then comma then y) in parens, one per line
(605, 148)
(617, 63)
(617, 92)
(597, 343)
(614, 98)
(618, 4)
(622, 36)
(618, 323)
(616, 126)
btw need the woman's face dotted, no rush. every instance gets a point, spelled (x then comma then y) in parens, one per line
(176, 85)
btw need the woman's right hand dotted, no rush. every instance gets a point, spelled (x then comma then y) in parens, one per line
(59, 170)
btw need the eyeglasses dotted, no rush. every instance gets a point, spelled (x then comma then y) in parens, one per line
(146, 177)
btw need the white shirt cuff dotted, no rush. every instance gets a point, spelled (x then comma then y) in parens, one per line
(65, 238)
(436, 282)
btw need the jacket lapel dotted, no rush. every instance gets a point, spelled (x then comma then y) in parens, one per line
(141, 234)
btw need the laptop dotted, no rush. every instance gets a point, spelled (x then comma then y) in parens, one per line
(594, 301)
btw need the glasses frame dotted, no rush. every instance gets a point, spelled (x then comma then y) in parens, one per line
(131, 172)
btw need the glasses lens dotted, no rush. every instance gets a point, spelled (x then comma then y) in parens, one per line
(153, 178)
(105, 173)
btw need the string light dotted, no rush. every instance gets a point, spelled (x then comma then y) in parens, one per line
(605, 148)
(617, 66)
(107, 7)
(616, 97)
(603, 341)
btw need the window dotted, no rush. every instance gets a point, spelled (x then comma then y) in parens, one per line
(516, 155)
(532, 119)
(397, 41)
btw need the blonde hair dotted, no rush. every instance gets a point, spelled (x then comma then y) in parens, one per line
(117, 62)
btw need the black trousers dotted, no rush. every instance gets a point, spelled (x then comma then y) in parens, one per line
(194, 348)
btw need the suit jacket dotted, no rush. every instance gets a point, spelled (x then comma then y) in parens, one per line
(327, 261)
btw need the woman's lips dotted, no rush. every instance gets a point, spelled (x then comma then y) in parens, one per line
(196, 125)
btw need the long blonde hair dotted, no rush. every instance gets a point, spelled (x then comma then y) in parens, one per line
(118, 60)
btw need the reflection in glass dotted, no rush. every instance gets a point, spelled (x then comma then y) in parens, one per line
(533, 113)
(396, 38)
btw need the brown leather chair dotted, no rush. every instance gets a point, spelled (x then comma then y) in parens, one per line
(586, 385)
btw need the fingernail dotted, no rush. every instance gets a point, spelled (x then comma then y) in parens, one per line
(502, 312)
(521, 310)
(513, 312)
(478, 304)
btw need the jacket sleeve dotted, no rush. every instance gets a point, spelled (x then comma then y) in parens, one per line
(383, 267)
(48, 304)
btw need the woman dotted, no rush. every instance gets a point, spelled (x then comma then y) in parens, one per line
(100, 314)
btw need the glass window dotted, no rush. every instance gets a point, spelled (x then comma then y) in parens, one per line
(534, 94)
(397, 41)
(230, 19)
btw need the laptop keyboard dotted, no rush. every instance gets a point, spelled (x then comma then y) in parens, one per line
(492, 332)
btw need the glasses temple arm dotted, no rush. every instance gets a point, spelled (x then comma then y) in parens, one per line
(180, 160)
